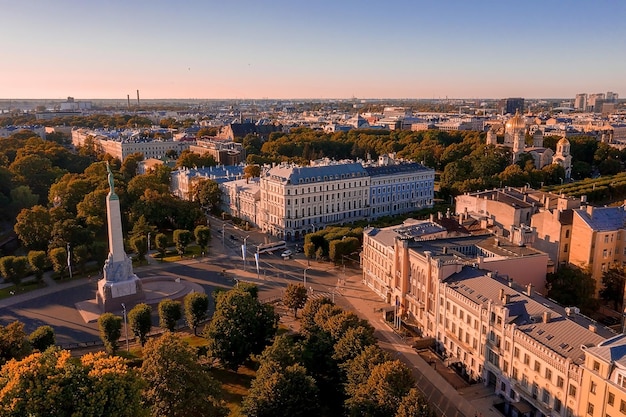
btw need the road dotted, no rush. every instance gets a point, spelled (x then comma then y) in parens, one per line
(56, 306)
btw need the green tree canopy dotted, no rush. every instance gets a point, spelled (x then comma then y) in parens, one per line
(140, 321)
(110, 327)
(196, 309)
(177, 386)
(295, 297)
(240, 326)
(170, 312)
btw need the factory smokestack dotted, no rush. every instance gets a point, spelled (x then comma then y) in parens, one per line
(137, 97)
(128, 99)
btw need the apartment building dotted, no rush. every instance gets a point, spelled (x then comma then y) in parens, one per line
(296, 200)
(241, 198)
(598, 240)
(490, 325)
(603, 386)
(399, 188)
(402, 263)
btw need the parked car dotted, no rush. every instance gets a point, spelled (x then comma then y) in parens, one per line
(286, 254)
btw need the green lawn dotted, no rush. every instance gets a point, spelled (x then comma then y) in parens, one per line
(22, 288)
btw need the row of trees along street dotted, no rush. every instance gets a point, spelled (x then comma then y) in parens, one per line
(332, 366)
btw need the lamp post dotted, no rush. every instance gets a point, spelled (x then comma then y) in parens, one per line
(148, 243)
(125, 326)
(244, 250)
(223, 225)
(69, 260)
(304, 275)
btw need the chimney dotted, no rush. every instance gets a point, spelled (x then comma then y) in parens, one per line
(507, 297)
(501, 294)
(137, 97)
(529, 290)
(593, 328)
(432, 217)
(546, 317)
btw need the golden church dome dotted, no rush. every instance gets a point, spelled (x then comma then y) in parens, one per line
(516, 123)
(563, 141)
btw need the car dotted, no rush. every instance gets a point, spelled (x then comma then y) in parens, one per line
(286, 254)
(298, 249)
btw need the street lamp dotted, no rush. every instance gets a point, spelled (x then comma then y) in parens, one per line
(306, 269)
(223, 225)
(125, 326)
(244, 250)
(148, 243)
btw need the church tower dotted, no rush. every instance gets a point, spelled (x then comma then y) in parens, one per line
(492, 138)
(538, 139)
(563, 156)
(515, 135)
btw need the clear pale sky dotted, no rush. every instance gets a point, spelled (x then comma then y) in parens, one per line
(311, 49)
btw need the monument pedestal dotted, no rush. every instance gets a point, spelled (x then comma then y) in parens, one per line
(111, 295)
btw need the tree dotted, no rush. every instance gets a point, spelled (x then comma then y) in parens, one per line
(14, 268)
(52, 383)
(38, 261)
(613, 287)
(359, 368)
(383, 392)
(182, 238)
(81, 255)
(309, 250)
(207, 192)
(295, 297)
(240, 326)
(252, 171)
(572, 286)
(196, 307)
(34, 227)
(140, 321)
(160, 240)
(110, 327)
(176, 384)
(42, 338)
(140, 246)
(353, 342)
(203, 235)
(312, 306)
(282, 392)
(13, 342)
(169, 313)
(58, 258)
(414, 405)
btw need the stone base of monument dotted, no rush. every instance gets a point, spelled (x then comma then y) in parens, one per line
(155, 289)
(111, 295)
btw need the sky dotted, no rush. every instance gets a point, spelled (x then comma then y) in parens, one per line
(254, 49)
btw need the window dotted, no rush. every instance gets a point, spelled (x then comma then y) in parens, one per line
(526, 359)
(545, 396)
(516, 352)
(590, 409)
(559, 382)
(611, 399)
(596, 366)
(548, 374)
(572, 390)
(622, 406)
(593, 387)
(537, 366)
(514, 373)
(557, 405)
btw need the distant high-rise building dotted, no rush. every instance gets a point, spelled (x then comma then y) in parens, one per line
(512, 105)
(581, 102)
(611, 97)
(595, 101)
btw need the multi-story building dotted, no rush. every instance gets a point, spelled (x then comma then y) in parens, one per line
(580, 103)
(530, 350)
(513, 105)
(241, 199)
(296, 200)
(183, 180)
(598, 240)
(603, 386)
(396, 260)
(398, 188)
(224, 152)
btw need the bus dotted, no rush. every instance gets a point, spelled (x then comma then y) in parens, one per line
(270, 247)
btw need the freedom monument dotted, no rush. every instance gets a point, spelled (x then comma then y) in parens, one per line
(120, 284)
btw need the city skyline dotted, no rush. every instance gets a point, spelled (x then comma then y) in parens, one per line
(318, 50)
